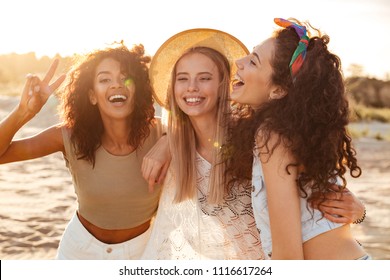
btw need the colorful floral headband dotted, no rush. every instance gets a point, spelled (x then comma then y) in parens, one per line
(300, 53)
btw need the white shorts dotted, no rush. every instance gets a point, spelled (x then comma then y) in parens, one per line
(78, 244)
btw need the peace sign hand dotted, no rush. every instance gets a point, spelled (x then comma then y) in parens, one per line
(36, 92)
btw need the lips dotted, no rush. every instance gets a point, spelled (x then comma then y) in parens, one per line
(237, 81)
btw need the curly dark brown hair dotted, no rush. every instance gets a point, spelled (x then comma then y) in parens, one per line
(311, 119)
(84, 119)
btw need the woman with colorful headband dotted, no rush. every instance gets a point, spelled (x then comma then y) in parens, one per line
(198, 218)
(296, 129)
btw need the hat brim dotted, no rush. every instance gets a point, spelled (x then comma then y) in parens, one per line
(166, 56)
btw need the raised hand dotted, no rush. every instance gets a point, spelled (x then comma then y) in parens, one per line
(36, 92)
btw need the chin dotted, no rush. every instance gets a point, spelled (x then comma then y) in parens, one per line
(234, 96)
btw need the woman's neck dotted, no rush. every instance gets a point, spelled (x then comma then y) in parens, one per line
(115, 138)
(205, 137)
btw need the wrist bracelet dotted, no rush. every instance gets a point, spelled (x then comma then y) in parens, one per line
(361, 219)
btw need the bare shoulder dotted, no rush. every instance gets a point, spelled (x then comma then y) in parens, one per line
(270, 144)
(55, 133)
(267, 141)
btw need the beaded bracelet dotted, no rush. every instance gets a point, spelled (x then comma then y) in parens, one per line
(361, 219)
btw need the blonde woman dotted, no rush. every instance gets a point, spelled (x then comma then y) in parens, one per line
(198, 218)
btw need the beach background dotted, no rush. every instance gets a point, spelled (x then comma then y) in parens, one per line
(37, 197)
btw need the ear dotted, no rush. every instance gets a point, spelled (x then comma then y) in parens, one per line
(92, 97)
(277, 93)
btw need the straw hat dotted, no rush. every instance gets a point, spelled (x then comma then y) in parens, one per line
(167, 55)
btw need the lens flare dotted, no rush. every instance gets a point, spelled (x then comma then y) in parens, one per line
(129, 82)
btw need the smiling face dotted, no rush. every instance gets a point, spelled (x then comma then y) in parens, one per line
(112, 92)
(253, 84)
(196, 85)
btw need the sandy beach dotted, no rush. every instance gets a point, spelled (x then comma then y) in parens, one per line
(37, 196)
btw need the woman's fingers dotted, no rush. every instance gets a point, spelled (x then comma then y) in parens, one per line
(163, 173)
(27, 87)
(336, 211)
(46, 89)
(57, 82)
(50, 73)
(151, 170)
(336, 219)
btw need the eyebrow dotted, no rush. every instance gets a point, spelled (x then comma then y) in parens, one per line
(200, 73)
(103, 72)
(257, 56)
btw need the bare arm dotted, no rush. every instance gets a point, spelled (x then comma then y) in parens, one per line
(156, 162)
(46, 142)
(34, 96)
(283, 202)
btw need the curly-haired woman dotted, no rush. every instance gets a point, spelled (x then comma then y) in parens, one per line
(295, 126)
(107, 127)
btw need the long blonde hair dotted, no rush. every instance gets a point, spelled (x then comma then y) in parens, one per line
(182, 138)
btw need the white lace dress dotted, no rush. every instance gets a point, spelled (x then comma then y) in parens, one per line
(195, 230)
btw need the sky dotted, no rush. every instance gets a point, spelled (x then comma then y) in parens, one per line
(359, 30)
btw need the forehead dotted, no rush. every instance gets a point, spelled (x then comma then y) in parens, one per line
(108, 64)
(195, 62)
(265, 48)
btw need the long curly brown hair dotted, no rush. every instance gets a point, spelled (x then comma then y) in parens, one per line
(84, 119)
(311, 119)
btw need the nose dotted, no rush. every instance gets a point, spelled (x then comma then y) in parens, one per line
(118, 83)
(239, 63)
(193, 86)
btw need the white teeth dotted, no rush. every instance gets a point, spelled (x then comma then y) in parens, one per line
(117, 98)
(237, 79)
(193, 99)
